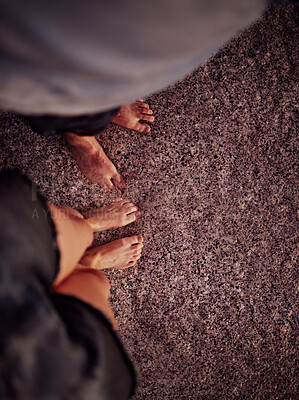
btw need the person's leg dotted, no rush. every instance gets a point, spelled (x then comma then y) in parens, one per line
(75, 234)
(79, 130)
(91, 286)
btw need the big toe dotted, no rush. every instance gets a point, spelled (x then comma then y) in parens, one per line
(142, 128)
(142, 102)
(119, 181)
(133, 240)
(132, 217)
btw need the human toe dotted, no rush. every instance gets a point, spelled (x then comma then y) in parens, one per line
(143, 107)
(136, 257)
(109, 184)
(119, 181)
(134, 240)
(142, 103)
(129, 208)
(147, 111)
(145, 117)
(146, 129)
(137, 252)
(133, 217)
(133, 261)
(137, 247)
(142, 128)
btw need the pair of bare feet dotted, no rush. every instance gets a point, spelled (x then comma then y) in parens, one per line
(121, 253)
(96, 166)
(90, 156)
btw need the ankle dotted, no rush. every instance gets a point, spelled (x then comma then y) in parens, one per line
(88, 143)
(91, 259)
(94, 226)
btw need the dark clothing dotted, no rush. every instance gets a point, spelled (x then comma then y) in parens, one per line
(83, 125)
(52, 346)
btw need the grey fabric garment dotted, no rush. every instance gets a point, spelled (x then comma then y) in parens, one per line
(75, 57)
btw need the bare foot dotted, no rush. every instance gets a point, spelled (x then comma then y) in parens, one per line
(130, 115)
(117, 214)
(119, 254)
(93, 161)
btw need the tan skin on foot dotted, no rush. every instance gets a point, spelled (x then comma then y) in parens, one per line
(93, 161)
(117, 214)
(90, 156)
(119, 254)
(130, 115)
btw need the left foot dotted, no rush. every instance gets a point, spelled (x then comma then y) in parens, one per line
(130, 115)
(93, 161)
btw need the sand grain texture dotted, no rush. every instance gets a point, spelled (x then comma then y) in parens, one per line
(209, 312)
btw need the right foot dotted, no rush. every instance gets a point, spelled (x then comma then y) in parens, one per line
(131, 116)
(119, 254)
(117, 214)
(93, 161)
